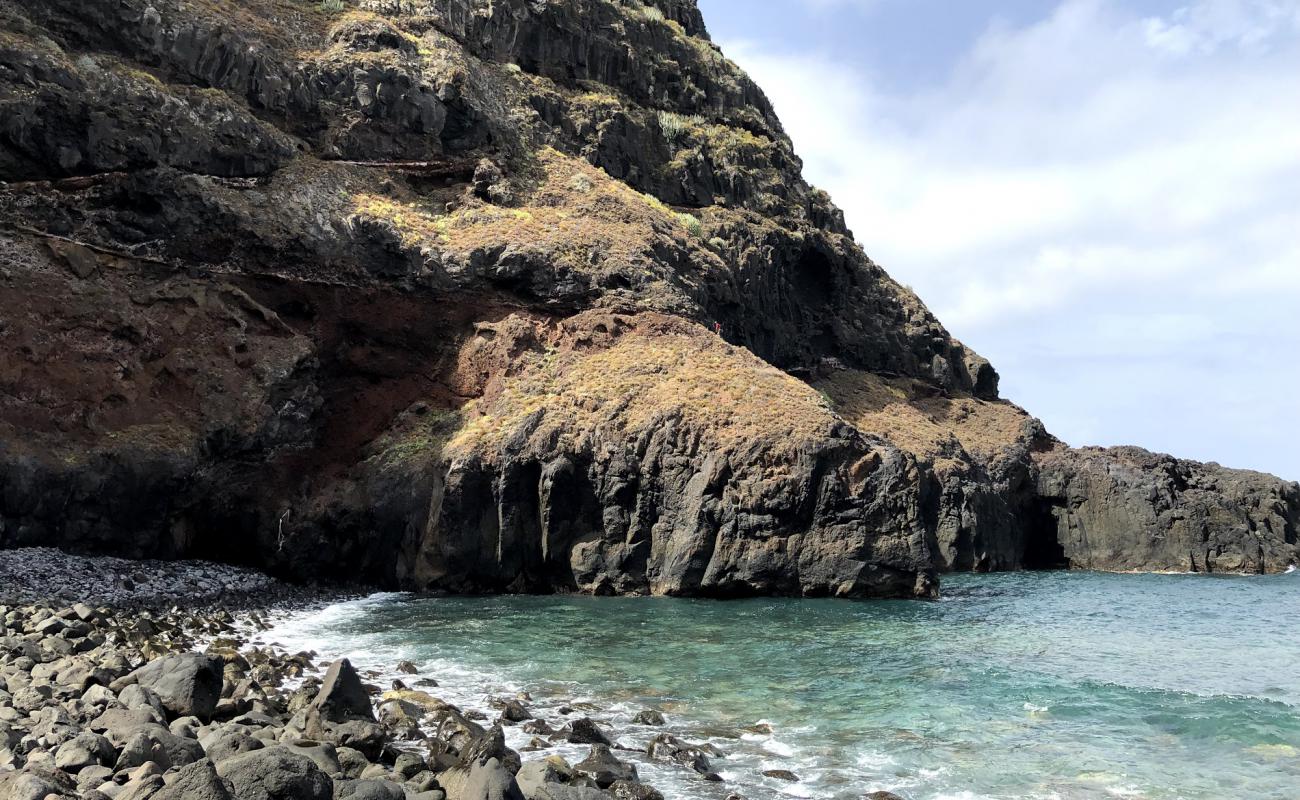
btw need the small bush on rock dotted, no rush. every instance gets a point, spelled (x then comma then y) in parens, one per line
(672, 125)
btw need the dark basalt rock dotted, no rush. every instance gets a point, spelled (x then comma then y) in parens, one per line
(261, 266)
(487, 779)
(585, 731)
(604, 768)
(275, 773)
(368, 790)
(667, 746)
(649, 717)
(198, 781)
(627, 790)
(1124, 508)
(188, 684)
(342, 696)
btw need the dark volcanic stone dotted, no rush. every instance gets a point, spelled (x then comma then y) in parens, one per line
(649, 717)
(342, 696)
(604, 768)
(198, 781)
(1125, 508)
(275, 774)
(189, 685)
(585, 731)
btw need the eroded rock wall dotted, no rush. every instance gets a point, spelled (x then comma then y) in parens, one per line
(639, 453)
(1125, 508)
(497, 296)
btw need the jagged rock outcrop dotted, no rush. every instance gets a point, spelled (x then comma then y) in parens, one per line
(635, 453)
(484, 296)
(1124, 508)
(1004, 494)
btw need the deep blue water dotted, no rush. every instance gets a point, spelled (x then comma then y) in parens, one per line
(1030, 685)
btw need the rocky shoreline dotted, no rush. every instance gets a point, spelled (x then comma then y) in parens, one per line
(137, 693)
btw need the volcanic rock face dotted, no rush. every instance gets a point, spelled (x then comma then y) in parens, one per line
(1175, 514)
(425, 292)
(632, 453)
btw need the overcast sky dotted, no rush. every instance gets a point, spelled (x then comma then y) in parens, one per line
(1101, 197)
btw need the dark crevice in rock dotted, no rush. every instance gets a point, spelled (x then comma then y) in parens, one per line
(1042, 544)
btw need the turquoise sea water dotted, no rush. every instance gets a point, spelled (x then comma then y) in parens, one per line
(1032, 685)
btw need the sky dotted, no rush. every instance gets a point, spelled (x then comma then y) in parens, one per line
(1101, 197)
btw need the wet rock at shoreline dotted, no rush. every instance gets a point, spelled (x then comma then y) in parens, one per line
(667, 746)
(342, 696)
(101, 701)
(128, 707)
(649, 717)
(603, 767)
(586, 731)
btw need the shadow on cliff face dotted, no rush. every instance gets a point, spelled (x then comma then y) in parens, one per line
(1043, 549)
(229, 419)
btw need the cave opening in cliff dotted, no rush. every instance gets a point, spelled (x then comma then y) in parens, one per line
(813, 278)
(1042, 543)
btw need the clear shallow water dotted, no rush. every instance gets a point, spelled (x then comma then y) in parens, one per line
(1031, 685)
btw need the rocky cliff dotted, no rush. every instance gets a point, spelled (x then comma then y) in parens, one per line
(500, 296)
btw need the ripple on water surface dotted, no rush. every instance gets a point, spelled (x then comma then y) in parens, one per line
(1033, 685)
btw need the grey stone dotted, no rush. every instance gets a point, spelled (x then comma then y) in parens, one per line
(85, 750)
(560, 791)
(585, 731)
(187, 684)
(604, 768)
(223, 743)
(649, 717)
(480, 780)
(629, 790)
(1124, 508)
(156, 743)
(351, 762)
(322, 754)
(117, 723)
(141, 788)
(342, 697)
(535, 776)
(197, 781)
(29, 785)
(275, 774)
(370, 789)
(136, 696)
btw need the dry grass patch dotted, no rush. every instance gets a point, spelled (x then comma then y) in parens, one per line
(577, 216)
(931, 427)
(660, 368)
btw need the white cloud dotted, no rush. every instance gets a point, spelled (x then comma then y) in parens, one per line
(1211, 24)
(1115, 190)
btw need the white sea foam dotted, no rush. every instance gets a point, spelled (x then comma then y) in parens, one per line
(934, 761)
(777, 747)
(875, 760)
(472, 688)
(1127, 791)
